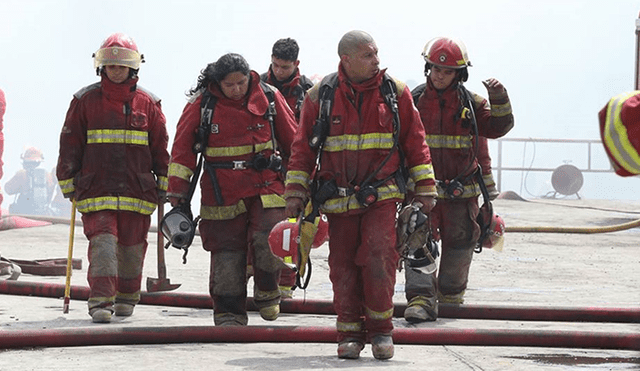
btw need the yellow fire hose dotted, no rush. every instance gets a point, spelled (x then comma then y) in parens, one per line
(578, 230)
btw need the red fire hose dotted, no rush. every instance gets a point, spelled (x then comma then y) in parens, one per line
(67, 337)
(466, 311)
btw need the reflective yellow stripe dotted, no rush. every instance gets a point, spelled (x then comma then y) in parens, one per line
(470, 190)
(425, 190)
(616, 137)
(222, 212)
(421, 172)
(272, 200)
(344, 204)
(358, 142)
(67, 186)
(378, 315)
(449, 141)
(349, 326)
(116, 203)
(129, 296)
(298, 177)
(500, 110)
(238, 150)
(180, 171)
(488, 180)
(163, 183)
(118, 136)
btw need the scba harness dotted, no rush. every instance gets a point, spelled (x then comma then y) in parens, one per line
(179, 226)
(366, 192)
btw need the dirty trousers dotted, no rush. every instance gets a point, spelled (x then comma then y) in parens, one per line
(229, 242)
(455, 220)
(362, 269)
(117, 247)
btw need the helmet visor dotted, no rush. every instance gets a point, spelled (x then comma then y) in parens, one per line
(117, 56)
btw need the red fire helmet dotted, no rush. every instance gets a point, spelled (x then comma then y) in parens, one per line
(283, 241)
(32, 154)
(446, 52)
(495, 239)
(322, 234)
(118, 50)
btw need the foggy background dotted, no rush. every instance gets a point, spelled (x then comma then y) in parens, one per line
(560, 60)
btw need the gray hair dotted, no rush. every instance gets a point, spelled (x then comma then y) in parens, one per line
(352, 40)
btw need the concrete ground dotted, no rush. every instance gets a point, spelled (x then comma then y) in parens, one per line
(534, 269)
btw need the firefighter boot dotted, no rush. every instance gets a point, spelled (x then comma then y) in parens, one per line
(123, 309)
(100, 315)
(228, 288)
(130, 262)
(382, 346)
(421, 309)
(350, 349)
(454, 275)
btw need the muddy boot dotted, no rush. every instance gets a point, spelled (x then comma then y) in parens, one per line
(123, 309)
(421, 309)
(101, 315)
(350, 349)
(382, 346)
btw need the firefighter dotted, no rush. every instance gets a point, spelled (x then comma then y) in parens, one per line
(242, 183)
(456, 150)
(359, 182)
(619, 131)
(113, 162)
(3, 107)
(33, 185)
(285, 75)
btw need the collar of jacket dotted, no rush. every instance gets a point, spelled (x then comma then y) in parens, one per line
(255, 100)
(122, 92)
(289, 83)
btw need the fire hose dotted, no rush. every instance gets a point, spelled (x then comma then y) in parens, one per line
(67, 337)
(577, 230)
(465, 311)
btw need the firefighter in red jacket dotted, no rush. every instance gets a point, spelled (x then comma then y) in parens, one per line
(456, 151)
(113, 162)
(620, 132)
(360, 159)
(3, 107)
(285, 75)
(241, 185)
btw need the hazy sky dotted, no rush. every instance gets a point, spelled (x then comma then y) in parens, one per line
(559, 59)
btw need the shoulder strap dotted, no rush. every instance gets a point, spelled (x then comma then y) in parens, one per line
(417, 92)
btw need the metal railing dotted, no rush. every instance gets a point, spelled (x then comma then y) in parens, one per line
(589, 169)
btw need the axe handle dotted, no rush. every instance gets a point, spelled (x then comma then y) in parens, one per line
(162, 268)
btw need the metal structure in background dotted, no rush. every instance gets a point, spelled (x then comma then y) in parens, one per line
(566, 179)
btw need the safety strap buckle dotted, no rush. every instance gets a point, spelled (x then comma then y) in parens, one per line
(239, 165)
(344, 192)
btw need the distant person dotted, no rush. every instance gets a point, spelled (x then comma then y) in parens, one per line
(113, 161)
(620, 132)
(451, 136)
(242, 183)
(3, 107)
(360, 185)
(285, 75)
(32, 185)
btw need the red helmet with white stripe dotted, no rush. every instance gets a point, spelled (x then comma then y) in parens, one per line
(283, 241)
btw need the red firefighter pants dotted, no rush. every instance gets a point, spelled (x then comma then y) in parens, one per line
(117, 246)
(229, 241)
(362, 269)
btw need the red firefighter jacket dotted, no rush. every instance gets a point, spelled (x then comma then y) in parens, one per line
(450, 136)
(359, 139)
(293, 90)
(239, 132)
(113, 148)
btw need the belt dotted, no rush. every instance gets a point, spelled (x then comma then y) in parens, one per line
(233, 165)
